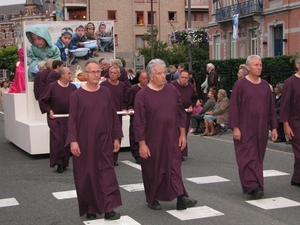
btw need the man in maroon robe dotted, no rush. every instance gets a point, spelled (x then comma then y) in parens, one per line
(94, 133)
(188, 97)
(289, 115)
(134, 146)
(119, 94)
(159, 122)
(252, 113)
(40, 81)
(53, 75)
(56, 100)
(105, 64)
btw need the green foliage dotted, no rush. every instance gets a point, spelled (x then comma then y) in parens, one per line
(8, 58)
(123, 61)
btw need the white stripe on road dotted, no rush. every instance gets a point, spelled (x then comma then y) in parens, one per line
(65, 194)
(134, 165)
(8, 202)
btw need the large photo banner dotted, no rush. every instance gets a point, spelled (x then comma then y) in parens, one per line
(72, 42)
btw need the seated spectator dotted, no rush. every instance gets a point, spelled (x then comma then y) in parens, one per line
(208, 106)
(220, 114)
(198, 107)
(277, 98)
(131, 77)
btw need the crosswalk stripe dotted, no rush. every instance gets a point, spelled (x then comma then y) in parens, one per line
(65, 194)
(8, 202)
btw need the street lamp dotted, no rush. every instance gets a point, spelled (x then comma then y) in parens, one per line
(189, 27)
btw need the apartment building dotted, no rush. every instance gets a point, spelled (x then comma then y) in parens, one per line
(265, 27)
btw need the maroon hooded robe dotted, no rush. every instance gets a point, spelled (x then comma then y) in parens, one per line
(57, 99)
(157, 119)
(252, 110)
(94, 124)
(290, 112)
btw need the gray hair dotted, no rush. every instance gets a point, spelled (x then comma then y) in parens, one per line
(251, 57)
(90, 62)
(210, 65)
(117, 62)
(41, 64)
(244, 71)
(114, 67)
(106, 61)
(279, 86)
(49, 64)
(154, 63)
(61, 71)
(223, 92)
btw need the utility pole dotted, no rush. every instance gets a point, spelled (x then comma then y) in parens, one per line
(152, 35)
(189, 27)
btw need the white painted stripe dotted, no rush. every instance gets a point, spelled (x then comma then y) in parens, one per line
(8, 202)
(273, 173)
(195, 213)
(274, 203)
(207, 179)
(2, 112)
(124, 220)
(65, 194)
(129, 163)
(133, 187)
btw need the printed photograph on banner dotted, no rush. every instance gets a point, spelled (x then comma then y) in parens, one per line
(73, 42)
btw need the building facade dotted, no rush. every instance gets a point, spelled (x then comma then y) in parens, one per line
(265, 27)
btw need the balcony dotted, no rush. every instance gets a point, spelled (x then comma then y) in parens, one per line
(246, 8)
(75, 3)
(196, 24)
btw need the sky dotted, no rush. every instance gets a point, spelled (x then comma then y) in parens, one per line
(11, 2)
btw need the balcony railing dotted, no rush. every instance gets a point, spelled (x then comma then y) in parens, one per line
(76, 1)
(197, 3)
(243, 9)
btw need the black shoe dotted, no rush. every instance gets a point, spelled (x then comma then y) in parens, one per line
(116, 164)
(279, 140)
(112, 215)
(60, 168)
(182, 159)
(65, 168)
(257, 193)
(155, 205)
(295, 183)
(288, 142)
(138, 160)
(185, 202)
(198, 131)
(91, 216)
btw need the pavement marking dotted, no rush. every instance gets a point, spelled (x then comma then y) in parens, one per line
(134, 165)
(133, 187)
(2, 112)
(273, 173)
(273, 203)
(5, 202)
(195, 213)
(124, 220)
(65, 194)
(207, 179)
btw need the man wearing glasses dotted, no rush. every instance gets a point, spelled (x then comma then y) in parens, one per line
(94, 134)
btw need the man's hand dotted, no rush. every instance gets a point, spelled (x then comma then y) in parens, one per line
(51, 114)
(74, 147)
(182, 142)
(116, 145)
(274, 135)
(288, 131)
(236, 134)
(144, 150)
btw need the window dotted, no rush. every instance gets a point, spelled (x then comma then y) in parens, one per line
(233, 47)
(154, 18)
(139, 1)
(3, 34)
(217, 47)
(139, 18)
(116, 40)
(111, 15)
(139, 42)
(253, 42)
(12, 34)
(173, 16)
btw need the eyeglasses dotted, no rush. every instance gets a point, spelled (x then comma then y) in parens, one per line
(67, 28)
(94, 72)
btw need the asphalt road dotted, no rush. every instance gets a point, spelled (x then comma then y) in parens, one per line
(29, 184)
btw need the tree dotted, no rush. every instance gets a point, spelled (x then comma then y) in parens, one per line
(8, 58)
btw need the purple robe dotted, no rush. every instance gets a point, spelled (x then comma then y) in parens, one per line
(189, 98)
(158, 116)
(42, 82)
(57, 98)
(290, 112)
(134, 146)
(105, 73)
(94, 124)
(53, 76)
(123, 77)
(120, 97)
(252, 110)
(36, 85)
